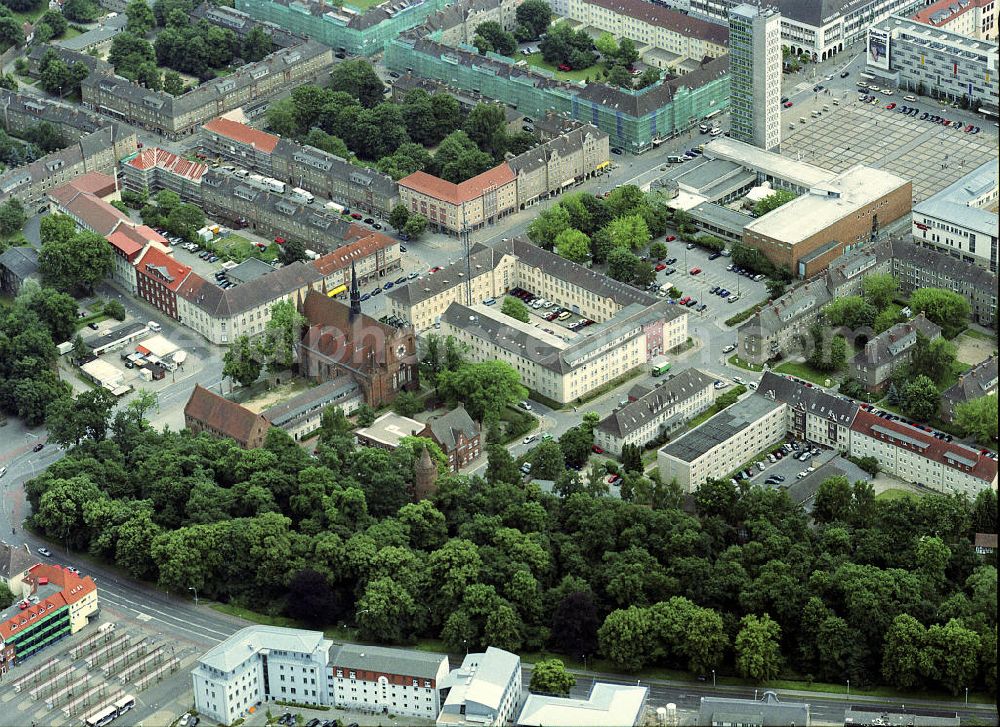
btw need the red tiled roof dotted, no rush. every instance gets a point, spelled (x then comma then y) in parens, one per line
(173, 269)
(470, 189)
(952, 454)
(95, 183)
(73, 589)
(357, 250)
(243, 134)
(156, 157)
(926, 14)
(95, 213)
(131, 239)
(209, 409)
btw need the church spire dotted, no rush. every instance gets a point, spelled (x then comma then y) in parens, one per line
(355, 292)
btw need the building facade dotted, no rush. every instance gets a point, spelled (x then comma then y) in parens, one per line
(260, 664)
(961, 219)
(755, 76)
(302, 415)
(560, 164)
(474, 203)
(403, 682)
(457, 435)
(889, 351)
(484, 691)
(662, 410)
(158, 277)
(935, 62)
(977, 382)
(372, 255)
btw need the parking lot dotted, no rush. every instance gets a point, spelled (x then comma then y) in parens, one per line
(713, 274)
(929, 153)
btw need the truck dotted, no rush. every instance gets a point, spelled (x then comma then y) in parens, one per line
(333, 206)
(664, 289)
(302, 195)
(274, 185)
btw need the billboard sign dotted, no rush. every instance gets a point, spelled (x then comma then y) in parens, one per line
(878, 48)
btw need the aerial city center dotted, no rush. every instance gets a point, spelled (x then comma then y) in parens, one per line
(499, 363)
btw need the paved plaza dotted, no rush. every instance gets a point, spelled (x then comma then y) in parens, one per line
(932, 155)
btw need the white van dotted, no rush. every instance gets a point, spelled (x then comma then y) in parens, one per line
(716, 131)
(154, 326)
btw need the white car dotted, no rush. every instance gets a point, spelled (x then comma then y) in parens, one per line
(802, 474)
(738, 380)
(3, 471)
(887, 91)
(525, 405)
(909, 98)
(730, 348)
(529, 439)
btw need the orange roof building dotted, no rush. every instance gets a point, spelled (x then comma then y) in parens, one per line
(58, 602)
(158, 278)
(468, 205)
(373, 254)
(241, 135)
(206, 411)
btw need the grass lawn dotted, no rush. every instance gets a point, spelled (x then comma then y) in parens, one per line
(536, 60)
(745, 365)
(71, 32)
(95, 318)
(260, 618)
(804, 371)
(972, 333)
(362, 5)
(238, 248)
(894, 493)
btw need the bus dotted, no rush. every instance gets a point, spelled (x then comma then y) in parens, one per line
(105, 716)
(337, 291)
(661, 369)
(713, 114)
(124, 704)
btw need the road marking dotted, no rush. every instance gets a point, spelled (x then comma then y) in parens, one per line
(134, 606)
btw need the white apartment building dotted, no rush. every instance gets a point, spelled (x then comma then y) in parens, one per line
(960, 220)
(662, 409)
(259, 664)
(916, 456)
(755, 76)
(724, 443)
(485, 691)
(403, 682)
(813, 414)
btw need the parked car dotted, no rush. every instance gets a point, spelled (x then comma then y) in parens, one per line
(695, 271)
(529, 439)
(45, 552)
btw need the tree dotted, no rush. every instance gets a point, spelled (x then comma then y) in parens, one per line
(575, 623)
(978, 417)
(12, 217)
(626, 638)
(772, 202)
(887, 318)
(55, 21)
(545, 229)
(281, 334)
(547, 461)
(486, 388)
(399, 216)
(185, 220)
(534, 17)
(114, 308)
(920, 399)
(486, 126)
(140, 17)
(415, 226)
(619, 76)
(515, 308)
(950, 655)
(500, 466)
(575, 443)
(629, 232)
(658, 250)
(495, 38)
(358, 78)
(292, 251)
(622, 264)
(11, 32)
(901, 656)
(833, 500)
(643, 274)
(606, 45)
(949, 310)
(128, 52)
(851, 311)
(311, 599)
(933, 359)
(78, 263)
(549, 676)
(648, 78)
(757, 654)
(775, 288)
(632, 458)
(407, 403)
(256, 46)
(627, 53)
(80, 11)
(242, 362)
(573, 245)
(879, 289)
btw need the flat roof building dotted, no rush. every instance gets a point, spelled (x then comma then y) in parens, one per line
(388, 431)
(607, 705)
(404, 682)
(961, 220)
(485, 691)
(768, 711)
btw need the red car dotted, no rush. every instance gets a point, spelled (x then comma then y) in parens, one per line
(788, 104)
(565, 67)
(695, 271)
(671, 238)
(595, 449)
(434, 269)
(280, 240)
(890, 107)
(684, 300)
(355, 216)
(660, 266)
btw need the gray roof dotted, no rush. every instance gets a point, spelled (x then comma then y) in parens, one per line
(336, 166)
(95, 65)
(403, 662)
(246, 643)
(100, 34)
(329, 392)
(22, 262)
(954, 203)
(944, 265)
(249, 269)
(15, 560)
(482, 258)
(621, 422)
(815, 12)
(812, 399)
(860, 714)
(977, 382)
(719, 216)
(858, 261)
(720, 428)
(768, 711)
(447, 426)
(49, 110)
(892, 342)
(803, 300)
(219, 303)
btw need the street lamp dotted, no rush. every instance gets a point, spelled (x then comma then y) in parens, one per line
(713, 678)
(195, 590)
(848, 688)
(966, 696)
